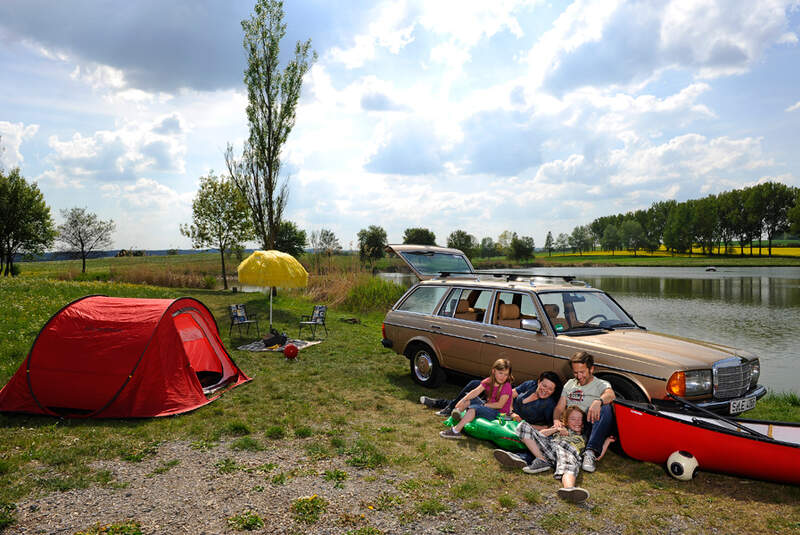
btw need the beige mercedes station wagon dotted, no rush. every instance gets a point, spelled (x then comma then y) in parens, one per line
(456, 318)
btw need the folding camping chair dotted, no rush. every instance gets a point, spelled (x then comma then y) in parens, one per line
(239, 317)
(314, 320)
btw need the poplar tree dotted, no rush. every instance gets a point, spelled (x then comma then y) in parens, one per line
(273, 94)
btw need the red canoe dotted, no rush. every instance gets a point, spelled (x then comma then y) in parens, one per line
(649, 434)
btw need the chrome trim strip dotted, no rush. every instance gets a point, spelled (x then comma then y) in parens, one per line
(525, 350)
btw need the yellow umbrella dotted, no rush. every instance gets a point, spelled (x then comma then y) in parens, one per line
(272, 268)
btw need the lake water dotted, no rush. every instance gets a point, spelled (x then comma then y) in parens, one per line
(757, 309)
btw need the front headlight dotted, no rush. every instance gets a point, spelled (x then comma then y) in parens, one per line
(755, 372)
(698, 382)
(690, 383)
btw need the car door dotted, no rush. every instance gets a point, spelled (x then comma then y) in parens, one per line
(530, 351)
(460, 328)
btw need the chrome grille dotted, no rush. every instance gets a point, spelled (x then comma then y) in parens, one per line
(731, 378)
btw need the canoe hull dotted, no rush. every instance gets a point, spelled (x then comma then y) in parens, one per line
(649, 435)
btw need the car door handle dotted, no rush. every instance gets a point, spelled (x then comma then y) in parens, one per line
(436, 327)
(490, 336)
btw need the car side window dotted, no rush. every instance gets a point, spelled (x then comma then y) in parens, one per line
(451, 303)
(423, 300)
(553, 304)
(512, 307)
(466, 304)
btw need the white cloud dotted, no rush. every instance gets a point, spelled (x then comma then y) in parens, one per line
(11, 137)
(119, 155)
(686, 158)
(389, 30)
(100, 76)
(605, 43)
(794, 107)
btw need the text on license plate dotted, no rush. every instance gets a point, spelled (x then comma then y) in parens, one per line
(742, 404)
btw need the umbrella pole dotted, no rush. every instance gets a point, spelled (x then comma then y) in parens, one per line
(270, 308)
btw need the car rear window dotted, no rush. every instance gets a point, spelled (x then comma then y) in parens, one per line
(423, 300)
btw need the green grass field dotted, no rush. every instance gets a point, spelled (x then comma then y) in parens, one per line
(350, 397)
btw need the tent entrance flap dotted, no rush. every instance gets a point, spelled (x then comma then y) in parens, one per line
(206, 356)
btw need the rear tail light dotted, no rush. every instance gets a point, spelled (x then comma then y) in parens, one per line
(383, 330)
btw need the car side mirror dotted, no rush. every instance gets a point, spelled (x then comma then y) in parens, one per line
(532, 325)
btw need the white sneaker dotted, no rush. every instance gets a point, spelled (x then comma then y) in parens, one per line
(589, 461)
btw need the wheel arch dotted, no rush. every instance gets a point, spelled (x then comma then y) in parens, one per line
(625, 384)
(415, 342)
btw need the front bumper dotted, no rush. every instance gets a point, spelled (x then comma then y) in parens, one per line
(717, 406)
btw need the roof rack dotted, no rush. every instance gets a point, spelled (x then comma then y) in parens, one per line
(509, 276)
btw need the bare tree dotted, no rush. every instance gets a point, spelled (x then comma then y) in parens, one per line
(83, 232)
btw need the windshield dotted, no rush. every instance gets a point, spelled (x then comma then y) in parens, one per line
(576, 312)
(434, 263)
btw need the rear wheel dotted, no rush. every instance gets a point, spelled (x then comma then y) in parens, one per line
(425, 367)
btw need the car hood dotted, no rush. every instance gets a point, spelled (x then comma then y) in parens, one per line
(652, 347)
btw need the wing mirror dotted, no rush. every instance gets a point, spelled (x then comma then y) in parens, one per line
(532, 325)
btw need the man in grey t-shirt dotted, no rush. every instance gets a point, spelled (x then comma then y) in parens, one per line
(594, 397)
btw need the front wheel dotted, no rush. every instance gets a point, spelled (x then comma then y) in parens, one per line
(624, 389)
(425, 367)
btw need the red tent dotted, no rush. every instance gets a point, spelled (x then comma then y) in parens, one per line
(114, 357)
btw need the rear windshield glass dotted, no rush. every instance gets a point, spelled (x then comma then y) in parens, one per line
(429, 263)
(423, 300)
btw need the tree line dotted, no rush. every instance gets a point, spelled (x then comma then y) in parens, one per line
(372, 243)
(719, 221)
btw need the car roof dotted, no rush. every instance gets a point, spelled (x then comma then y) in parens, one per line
(531, 284)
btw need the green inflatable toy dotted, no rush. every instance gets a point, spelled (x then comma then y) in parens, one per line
(502, 431)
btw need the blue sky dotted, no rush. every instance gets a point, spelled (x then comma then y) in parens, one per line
(528, 116)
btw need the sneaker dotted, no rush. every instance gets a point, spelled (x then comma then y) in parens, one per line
(449, 433)
(445, 412)
(573, 494)
(509, 460)
(589, 461)
(428, 402)
(537, 466)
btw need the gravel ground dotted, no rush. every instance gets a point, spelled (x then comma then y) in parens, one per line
(194, 497)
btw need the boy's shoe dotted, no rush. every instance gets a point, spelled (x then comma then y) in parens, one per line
(573, 494)
(589, 461)
(449, 433)
(445, 412)
(509, 460)
(537, 466)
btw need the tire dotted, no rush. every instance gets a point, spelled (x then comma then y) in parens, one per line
(424, 365)
(624, 389)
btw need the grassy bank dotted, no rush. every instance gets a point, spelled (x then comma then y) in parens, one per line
(348, 397)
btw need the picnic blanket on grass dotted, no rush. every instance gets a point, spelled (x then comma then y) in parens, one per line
(258, 345)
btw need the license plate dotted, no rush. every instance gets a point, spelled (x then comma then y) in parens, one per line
(742, 404)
